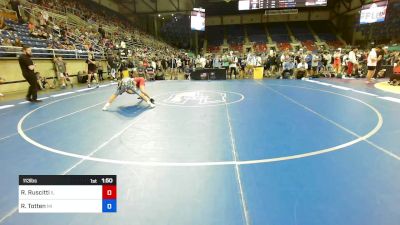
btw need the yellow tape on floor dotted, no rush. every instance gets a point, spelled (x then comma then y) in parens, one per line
(387, 87)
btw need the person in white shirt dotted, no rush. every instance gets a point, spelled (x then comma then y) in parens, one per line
(352, 62)
(198, 62)
(123, 45)
(179, 64)
(301, 70)
(371, 63)
(216, 62)
(203, 61)
(251, 62)
(233, 60)
(258, 61)
(314, 64)
(327, 60)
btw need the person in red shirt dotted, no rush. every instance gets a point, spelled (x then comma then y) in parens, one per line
(395, 77)
(131, 86)
(337, 62)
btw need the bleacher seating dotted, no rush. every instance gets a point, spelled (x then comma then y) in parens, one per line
(301, 32)
(260, 47)
(77, 37)
(215, 35)
(335, 44)
(324, 30)
(278, 33)
(284, 46)
(213, 49)
(22, 32)
(38, 45)
(235, 34)
(236, 47)
(256, 33)
(309, 45)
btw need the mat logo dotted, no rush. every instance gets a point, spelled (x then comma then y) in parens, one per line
(197, 98)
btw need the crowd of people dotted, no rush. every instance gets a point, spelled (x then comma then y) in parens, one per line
(96, 33)
(344, 63)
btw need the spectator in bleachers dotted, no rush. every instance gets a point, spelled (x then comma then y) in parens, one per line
(6, 42)
(3, 25)
(31, 24)
(14, 6)
(153, 64)
(101, 31)
(43, 18)
(17, 43)
(69, 45)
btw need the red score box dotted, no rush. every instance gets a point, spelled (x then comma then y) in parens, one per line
(109, 192)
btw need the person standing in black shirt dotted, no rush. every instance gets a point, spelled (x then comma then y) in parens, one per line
(380, 54)
(15, 6)
(101, 31)
(28, 71)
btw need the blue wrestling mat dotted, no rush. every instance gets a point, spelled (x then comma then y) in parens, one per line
(272, 152)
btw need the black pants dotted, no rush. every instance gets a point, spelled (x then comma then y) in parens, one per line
(100, 72)
(33, 87)
(232, 69)
(377, 69)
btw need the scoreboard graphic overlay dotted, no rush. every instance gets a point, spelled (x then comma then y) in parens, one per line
(67, 194)
(275, 4)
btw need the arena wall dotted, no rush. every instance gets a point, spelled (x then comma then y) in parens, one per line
(15, 82)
